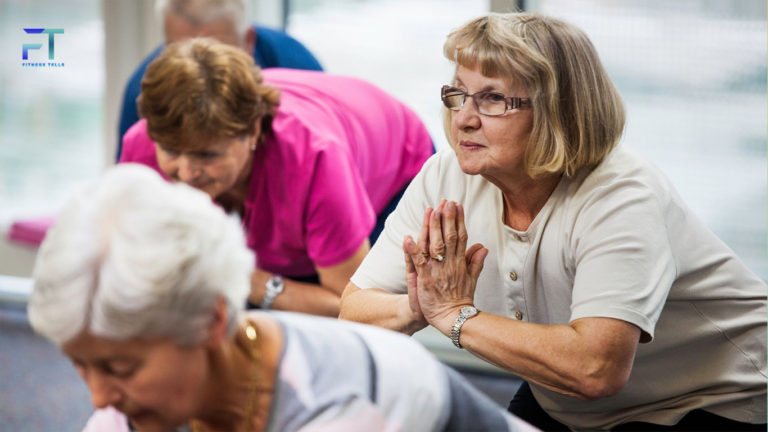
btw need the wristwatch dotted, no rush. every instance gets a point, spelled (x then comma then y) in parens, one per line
(466, 313)
(275, 286)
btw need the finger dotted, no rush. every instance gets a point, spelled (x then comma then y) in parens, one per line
(436, 244)
(477, 260)
(471, 251)
(424, 233)
(410, 267)
(411, 249)
(450, 235)
(411, 281)
(461, 230)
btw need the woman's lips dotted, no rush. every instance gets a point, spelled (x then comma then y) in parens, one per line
(138, 417)
(469, 145)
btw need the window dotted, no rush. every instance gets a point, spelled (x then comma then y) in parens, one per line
(693, 77)
(51, 115)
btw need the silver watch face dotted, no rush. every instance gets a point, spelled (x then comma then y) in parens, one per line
(468, 311)
(275, 284)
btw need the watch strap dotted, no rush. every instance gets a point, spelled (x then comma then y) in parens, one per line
(465, 313)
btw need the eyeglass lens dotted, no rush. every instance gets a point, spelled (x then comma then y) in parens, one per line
(488, 103)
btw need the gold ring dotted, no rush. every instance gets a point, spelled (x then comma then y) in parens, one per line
(439, 258)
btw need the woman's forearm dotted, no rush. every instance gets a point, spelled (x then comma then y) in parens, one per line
(380, 308)
(588, 359)
(296, 296)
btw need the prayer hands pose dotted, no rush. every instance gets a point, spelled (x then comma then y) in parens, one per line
(441, 272)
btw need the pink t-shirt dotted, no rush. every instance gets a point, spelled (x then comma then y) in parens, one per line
(339, 150)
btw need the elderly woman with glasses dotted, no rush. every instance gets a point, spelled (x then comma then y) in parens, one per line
(142, 284)
(311, 163)
(541, 245)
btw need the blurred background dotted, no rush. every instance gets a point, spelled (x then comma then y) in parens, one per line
(692, 74)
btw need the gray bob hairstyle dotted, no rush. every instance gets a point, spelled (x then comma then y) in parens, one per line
(578, 115)
(132, 256)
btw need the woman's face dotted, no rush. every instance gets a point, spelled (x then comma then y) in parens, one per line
(154, 382)
(214, 168)
(492, 146)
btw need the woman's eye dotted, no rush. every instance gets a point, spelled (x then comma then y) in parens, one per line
(493, 97)
(120, 369)
(169, 153)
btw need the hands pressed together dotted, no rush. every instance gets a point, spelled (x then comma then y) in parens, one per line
(441, 272)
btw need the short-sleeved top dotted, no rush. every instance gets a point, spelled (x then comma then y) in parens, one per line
(273, 48)
(341, 376)
(339, 150)
(617, 242)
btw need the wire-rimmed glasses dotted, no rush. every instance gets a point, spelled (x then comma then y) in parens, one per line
(487, 102)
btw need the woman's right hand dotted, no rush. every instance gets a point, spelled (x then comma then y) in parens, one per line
(411, 276)
(441, 272)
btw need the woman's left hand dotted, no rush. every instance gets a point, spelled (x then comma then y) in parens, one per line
(446, 271)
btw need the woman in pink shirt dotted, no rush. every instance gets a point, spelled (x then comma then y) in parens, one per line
(310, 162)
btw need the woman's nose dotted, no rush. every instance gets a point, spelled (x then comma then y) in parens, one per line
(103, 392)
(187, 169)
(467, 116)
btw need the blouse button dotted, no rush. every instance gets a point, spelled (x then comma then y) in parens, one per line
(518, 315)
(513, 275)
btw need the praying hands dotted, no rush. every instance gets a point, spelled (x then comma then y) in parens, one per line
(441, 272)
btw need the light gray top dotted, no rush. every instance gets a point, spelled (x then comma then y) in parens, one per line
(615, 242)
(343, 376)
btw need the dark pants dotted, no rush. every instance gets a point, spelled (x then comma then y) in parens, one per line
(525, 406)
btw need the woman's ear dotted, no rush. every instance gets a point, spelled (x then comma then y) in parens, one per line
(255, 138)
(249, 41)
(217, 331)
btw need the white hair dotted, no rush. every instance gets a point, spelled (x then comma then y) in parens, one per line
(201, 12)
(135, 256)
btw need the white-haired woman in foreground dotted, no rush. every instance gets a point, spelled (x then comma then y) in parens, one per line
(141, 282)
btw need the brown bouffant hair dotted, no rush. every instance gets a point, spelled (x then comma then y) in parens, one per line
(578, 115)
(200, 90)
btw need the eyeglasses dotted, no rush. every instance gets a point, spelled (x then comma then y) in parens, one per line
(487, 102)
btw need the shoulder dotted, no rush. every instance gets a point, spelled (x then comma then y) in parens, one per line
(623, 166)
(622, 178)
(136, 143)
(271, 34)
(275, 48)
(275, 38)
(138, 147)
(384, 345)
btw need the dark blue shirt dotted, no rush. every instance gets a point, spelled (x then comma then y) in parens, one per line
(273, 48)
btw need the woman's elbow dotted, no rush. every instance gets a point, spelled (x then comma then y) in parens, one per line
(601, 383)
(344, 305)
